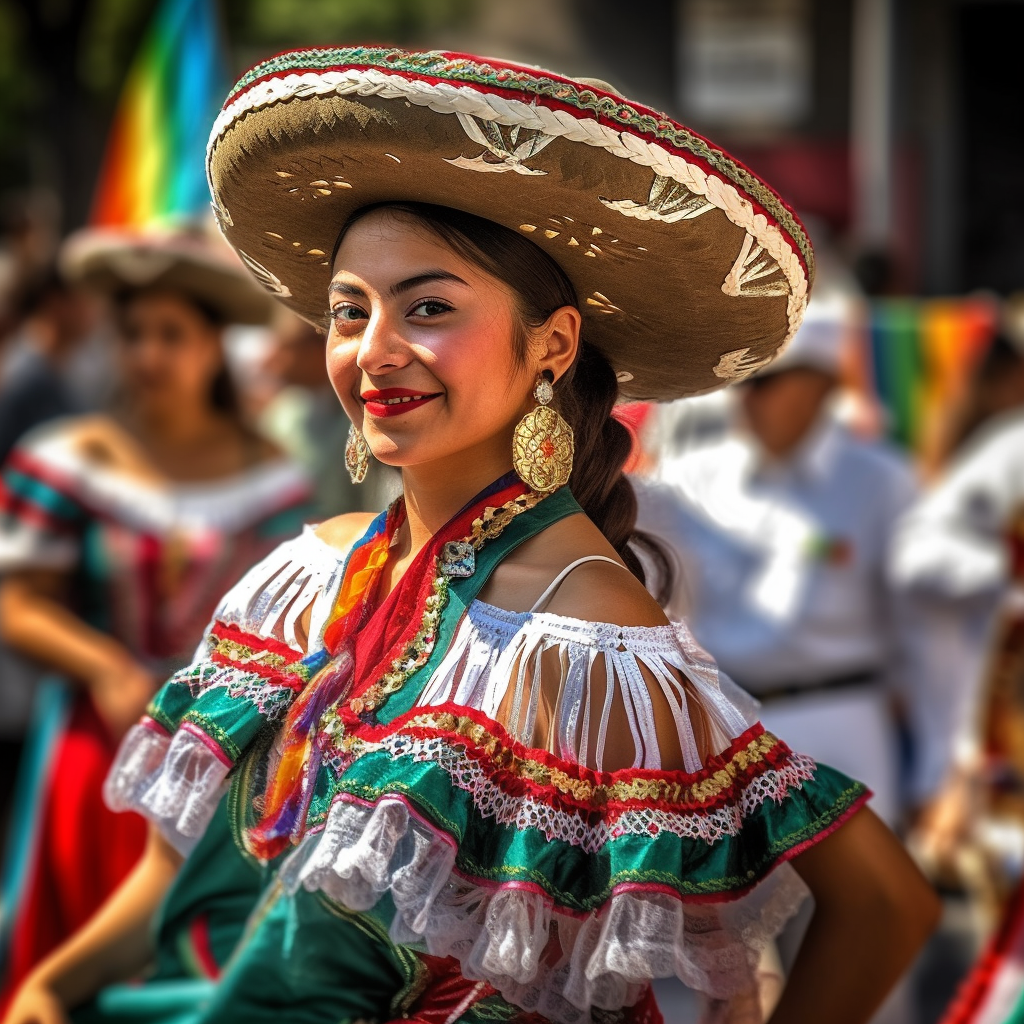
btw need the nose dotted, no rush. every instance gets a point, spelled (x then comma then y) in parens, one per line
(382, 347)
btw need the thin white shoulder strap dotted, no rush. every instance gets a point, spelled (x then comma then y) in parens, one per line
(557, 581)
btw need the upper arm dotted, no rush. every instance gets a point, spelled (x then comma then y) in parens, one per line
(48, 583)
(613, 707)
(863, 864)
(26, 595)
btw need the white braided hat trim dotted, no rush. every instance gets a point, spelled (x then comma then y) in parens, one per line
(444, 98)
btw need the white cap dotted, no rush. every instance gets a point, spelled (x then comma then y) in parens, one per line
(819, 343)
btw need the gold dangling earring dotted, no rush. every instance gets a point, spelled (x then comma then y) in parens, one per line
(542, 446)
(357, 455)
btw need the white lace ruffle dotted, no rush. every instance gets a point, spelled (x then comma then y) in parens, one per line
(176, 782)
(537, 956)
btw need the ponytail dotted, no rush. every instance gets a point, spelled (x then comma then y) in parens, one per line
(585, 397)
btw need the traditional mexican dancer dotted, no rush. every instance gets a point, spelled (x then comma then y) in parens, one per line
(483, 776)
(118, 534)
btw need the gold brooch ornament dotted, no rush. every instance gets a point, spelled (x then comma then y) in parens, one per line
(458, 558)
(543, 446)
(357, 455)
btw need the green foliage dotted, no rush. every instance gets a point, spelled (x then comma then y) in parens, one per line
(110, 36)
(278, 24)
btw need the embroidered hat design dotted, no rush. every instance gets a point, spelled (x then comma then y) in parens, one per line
(691, 272)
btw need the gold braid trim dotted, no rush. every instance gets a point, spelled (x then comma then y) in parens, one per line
(489, 525)
(658, 790)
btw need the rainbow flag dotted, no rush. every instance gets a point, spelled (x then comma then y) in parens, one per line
(921, 354)
(153, 168)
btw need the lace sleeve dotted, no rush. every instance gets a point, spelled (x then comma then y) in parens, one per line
(173, 765)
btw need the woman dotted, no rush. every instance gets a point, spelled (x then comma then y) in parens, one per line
(118, 534)
(513, 790)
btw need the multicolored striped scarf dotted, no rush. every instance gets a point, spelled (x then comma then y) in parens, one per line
(373, 647)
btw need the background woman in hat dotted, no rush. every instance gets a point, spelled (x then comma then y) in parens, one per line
(118, 533)
(489, 779)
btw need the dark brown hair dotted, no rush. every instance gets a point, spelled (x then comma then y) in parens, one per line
(586, 393)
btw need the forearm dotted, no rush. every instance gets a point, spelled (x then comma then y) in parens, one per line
(116, 943)
(844, 969)
(41, 627)
(873, 912)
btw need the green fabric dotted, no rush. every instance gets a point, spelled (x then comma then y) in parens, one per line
(154, 1002)
(583, 881)
(303, 963)
(343, 970)
(220, 883)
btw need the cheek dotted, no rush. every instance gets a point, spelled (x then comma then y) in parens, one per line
(198, 359)
(345, 376)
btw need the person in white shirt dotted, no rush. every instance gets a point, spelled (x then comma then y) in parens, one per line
(781, 529)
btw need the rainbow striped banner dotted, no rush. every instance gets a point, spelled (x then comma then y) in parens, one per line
(920, 357)
(153, 168)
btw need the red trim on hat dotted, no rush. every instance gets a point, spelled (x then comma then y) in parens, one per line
(513, 93)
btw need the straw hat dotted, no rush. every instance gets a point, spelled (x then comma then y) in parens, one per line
(690, 271)
(187, 261)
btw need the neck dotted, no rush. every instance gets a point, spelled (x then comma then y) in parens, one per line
(178, 427)
(780, 449)
(434, 493)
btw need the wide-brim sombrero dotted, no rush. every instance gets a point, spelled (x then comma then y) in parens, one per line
(691, 272)
(192, 262)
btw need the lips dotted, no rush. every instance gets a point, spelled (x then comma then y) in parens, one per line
(395, 401)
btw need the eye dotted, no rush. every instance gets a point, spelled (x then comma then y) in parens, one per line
(346, 314)
(430, 307)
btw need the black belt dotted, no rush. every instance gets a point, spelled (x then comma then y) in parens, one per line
(851, 680)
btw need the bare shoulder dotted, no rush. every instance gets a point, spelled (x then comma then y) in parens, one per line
(105, 443)
(95, 429)
(343, 531)
(602, 592)
(596, 591)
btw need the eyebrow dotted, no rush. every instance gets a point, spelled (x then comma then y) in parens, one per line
(341, 288)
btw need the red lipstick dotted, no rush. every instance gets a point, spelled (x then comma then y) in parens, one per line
(395, 401)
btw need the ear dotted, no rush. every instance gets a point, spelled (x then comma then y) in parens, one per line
(555, 343)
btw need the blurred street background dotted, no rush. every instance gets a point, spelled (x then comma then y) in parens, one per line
(894, 128)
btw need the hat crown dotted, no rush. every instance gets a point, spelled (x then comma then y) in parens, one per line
(690, 270)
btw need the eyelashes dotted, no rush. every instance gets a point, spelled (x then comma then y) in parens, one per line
(422, 308)
(443, 307)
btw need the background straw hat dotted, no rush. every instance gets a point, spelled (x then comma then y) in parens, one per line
(188, 261)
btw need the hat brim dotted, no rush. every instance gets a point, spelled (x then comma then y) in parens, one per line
(691, 272)
(113, 261)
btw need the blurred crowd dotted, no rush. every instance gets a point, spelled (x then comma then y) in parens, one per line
(162, 425)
